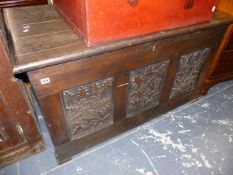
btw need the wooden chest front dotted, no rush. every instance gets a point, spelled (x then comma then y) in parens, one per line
(92, 99)
(91, 94)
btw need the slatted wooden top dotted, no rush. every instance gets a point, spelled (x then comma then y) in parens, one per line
(40, 37)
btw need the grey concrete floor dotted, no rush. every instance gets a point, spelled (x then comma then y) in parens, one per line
(196, 138)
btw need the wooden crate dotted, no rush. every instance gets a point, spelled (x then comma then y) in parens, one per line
(100, 21)
(91, 94)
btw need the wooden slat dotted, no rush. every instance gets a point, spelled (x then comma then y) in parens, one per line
(121, 96)
(78, 51)
(33, 60)
(14, 3)
(27, 31)
(40, 43)
(31, 9)
(19, 18)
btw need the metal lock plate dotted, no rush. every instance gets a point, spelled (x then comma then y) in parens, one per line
(189, 4)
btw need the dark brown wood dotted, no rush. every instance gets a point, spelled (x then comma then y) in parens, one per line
(67, 150)
(59, 49)
(222, 67)
(13, 3)
(89, 107)
(172, 69)
(19, 135)
(9, 134)
(145, 87)
(225, 66)
(120, 93)
(91, 94)
(52, 106)
(120, 64)
(108, 64)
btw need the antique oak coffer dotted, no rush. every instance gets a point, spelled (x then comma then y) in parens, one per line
(91, 94)
(100, 21)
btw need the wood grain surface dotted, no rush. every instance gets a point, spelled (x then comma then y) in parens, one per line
(19, 133)
(40, 38)
(66, 75)
(222, 67)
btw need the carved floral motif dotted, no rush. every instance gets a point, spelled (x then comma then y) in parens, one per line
(89, 107)
(189, 70)
(145, 87)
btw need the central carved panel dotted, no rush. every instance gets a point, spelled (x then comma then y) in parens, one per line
(145, 87)
(89, 107)
(189, 70)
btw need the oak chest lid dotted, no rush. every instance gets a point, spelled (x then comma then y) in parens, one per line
(40, 38)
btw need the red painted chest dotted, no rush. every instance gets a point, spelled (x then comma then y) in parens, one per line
(107, 20)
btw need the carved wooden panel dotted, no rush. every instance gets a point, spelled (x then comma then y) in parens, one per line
(89, 107)
(145, 87)
(189, 69)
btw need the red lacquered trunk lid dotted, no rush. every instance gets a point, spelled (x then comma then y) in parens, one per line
(101, 21)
